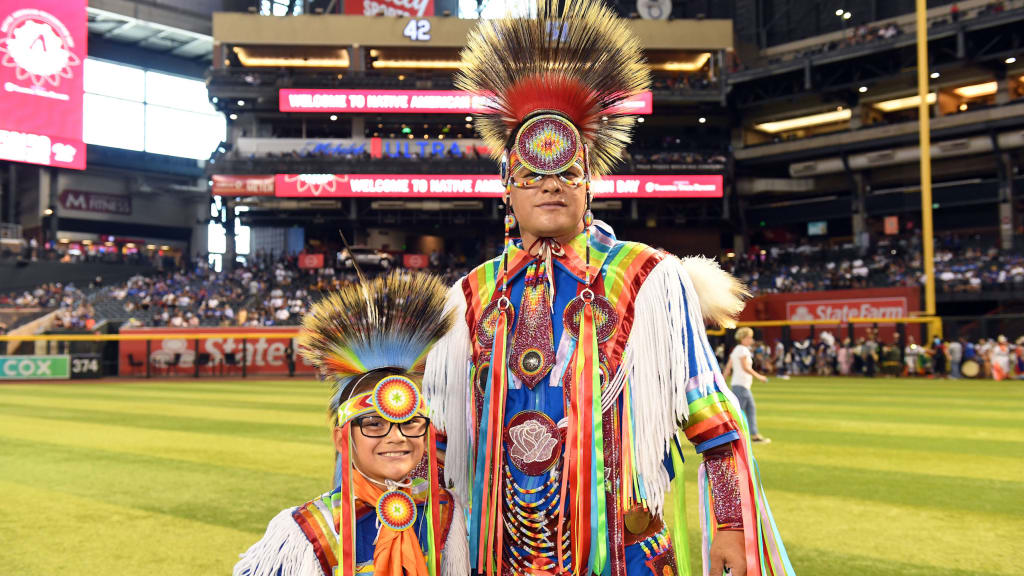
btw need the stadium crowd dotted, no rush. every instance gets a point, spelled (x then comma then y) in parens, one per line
(266, 291)
(960, 266)
(275, 291)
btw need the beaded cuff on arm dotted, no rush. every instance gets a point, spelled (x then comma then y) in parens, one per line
(725, 490)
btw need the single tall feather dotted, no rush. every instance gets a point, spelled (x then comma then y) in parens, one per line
(391, 321)
(575, 57)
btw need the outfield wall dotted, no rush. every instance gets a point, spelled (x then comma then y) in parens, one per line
(263, 355)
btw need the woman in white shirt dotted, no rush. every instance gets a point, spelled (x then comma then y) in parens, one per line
(740, 366)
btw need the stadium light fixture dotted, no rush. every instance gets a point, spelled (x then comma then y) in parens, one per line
(839, 115)
(334, 117)
(431, 64)
(976, 90)
(337, 58)
(702, 120)
(904, 103)
(683, 66)
(48, 212)
(241, 102)
(233, 116)
(847, 15)
(862, 89)
(963, 107)
(469, 118)
(640, 119)
(934, 75)
(839, 12)
(1011, 60)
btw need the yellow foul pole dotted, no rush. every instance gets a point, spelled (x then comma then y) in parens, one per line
(924, 124)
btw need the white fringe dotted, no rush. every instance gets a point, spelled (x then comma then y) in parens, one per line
(655, 362)
(455, 555)
(668, 322)
(446, 388)
(283, 551)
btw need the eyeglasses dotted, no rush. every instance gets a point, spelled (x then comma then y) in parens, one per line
(377, 427)
(567, 179)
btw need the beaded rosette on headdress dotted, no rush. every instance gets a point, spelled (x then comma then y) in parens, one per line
(383, 329)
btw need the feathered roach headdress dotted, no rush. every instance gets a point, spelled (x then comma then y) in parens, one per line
(379, 330)
(388, 322)
(551, 79)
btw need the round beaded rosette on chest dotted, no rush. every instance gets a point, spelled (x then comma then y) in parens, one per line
(396, 510)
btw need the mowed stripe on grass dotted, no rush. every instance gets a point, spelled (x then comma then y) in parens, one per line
(864, 476)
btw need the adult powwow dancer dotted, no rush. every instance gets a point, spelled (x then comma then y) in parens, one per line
(578, 362)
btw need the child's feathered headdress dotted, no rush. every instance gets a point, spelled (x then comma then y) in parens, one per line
(388, 322)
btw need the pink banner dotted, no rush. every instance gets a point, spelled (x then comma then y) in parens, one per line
(408, 101)
(390, 7)
(477, 186)
(42, 51)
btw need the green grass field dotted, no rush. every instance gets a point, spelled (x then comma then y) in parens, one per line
(908, 477)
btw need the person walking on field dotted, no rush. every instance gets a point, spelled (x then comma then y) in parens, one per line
(741, 368)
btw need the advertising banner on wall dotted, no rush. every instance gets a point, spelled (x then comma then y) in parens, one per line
(415, 260)
(478, 186)
(836, 305)
(263, 355)
(389, 7)
(96, 202)
(242, 185)
(311, 261)
(408, 101)
(42, 51)
(355, 147)
(34, 368)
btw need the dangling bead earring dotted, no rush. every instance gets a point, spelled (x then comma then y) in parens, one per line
(588, 216)
(510, 219)
(510, 222)
(588, 221)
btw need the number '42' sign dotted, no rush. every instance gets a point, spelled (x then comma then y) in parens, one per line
(417, 30)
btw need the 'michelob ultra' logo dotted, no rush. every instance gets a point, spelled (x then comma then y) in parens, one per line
(34, 368)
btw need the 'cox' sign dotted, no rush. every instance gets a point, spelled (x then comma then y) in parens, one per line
(34, 368)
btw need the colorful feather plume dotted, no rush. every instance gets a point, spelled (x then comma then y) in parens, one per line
(575, 57)
(391, 321)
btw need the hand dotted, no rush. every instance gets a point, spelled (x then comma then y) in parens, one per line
(727, 551)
